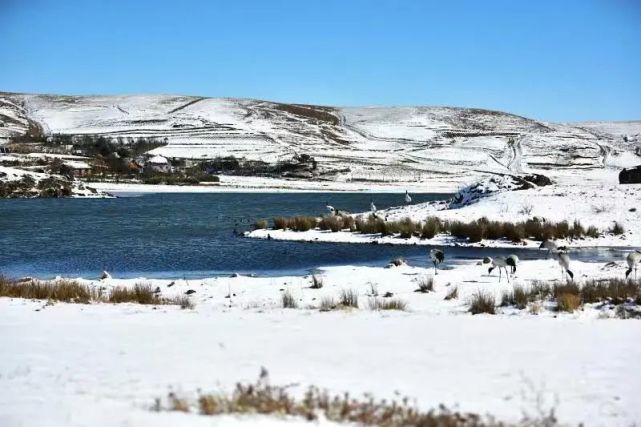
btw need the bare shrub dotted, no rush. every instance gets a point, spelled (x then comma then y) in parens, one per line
(288, 300)
(482, 302)
(425, 284)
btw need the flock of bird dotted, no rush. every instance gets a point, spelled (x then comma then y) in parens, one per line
(372, 207)
(633, 259)
(437, 256)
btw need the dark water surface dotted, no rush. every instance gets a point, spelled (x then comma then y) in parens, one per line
(172, 235)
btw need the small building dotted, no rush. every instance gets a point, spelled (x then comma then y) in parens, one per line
(77, 169)
(159, 164)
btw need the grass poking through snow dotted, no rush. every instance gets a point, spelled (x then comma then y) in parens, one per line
(263, 398)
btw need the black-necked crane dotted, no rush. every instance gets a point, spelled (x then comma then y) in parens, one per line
(437, 256)
(633, 260)
(564, 262)
(500, 262)
(372, 206)
(408, 198)
(512, 261)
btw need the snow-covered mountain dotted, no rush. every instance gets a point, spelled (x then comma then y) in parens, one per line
(402, 144)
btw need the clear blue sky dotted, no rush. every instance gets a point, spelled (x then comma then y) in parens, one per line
(562, 60)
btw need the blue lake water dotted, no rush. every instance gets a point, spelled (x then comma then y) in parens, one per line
(176, 235)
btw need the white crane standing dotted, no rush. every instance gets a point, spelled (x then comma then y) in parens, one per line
(564, 262)
(408, 199)
(500, 262)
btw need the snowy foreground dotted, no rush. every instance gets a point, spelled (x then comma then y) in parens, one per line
(101, 364)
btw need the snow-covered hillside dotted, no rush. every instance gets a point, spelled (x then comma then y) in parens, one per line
(434, 145)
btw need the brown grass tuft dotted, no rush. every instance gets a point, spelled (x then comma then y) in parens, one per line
(348, 298)
(452, 294)
(288, 300)
(261, 397)
(387, 304)
(482, 302)
(425, 284)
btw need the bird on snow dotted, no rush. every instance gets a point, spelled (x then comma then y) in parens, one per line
(372, 206)
(500, 262)
(408, 199)
(330, 208)
(437, 256)
(633, 260)
(564, 262)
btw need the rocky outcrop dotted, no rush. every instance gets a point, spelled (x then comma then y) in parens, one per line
(17, 183)
(630, 176)
(497, 183)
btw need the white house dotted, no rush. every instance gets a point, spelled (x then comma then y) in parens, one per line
(159, 164)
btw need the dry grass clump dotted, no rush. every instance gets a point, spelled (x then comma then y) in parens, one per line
(431, 227)
(372, 225)
(336, 223)
(184, 302)
(482, 302)
(425, 284)
(260, 224)
(280, 223)
(571, 296)
(317, 282)
(568, 302)
(517, 297)
(288, 300)
(617, 229)
(333, 223)
(261, 397)
(348, 298)
(328, 304)
(61, 290)
(473, 231)
(452, 294)
(302, 223)
(71, 291)
(141, 293)
(378, 304)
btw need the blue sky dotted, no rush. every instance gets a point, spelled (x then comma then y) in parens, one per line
(563, 60)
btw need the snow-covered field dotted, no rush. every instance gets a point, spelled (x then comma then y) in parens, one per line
(103, 364)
